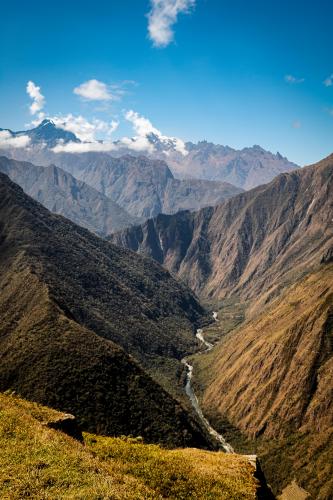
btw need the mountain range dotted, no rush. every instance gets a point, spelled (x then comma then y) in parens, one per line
(250, 245)
(63, 194)
(143, 187)
(80, 318)
(99, 326)
(245, 168)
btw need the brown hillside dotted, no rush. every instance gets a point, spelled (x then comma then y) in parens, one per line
(255, 242)
(273, 379)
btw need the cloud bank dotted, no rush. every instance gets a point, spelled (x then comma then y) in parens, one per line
(143, 128)
(144, 140)
(161, 18)
(85, 130)
(9, 141)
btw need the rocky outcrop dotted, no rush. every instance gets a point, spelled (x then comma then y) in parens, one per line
(66, 423)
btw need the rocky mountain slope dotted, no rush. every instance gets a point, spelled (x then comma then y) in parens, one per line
(71, 304)
(45, 134)
(245, 168)
(251, 245)
(272, 378)
(61, 193)
(144, 187)
(141, 186)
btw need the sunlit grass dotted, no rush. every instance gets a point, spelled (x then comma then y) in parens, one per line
(38, 462)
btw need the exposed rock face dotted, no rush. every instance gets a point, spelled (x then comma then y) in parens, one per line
(251, 244)
(246, 168)
(61, 193)
(70, 305)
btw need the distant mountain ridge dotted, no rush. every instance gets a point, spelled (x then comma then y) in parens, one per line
(204, 160)
(46, 133)
(61, 193)
(144, 187)
(245, 168)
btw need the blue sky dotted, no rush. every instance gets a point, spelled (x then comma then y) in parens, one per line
(221, 78)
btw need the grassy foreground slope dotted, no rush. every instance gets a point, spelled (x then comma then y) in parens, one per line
(39, 462)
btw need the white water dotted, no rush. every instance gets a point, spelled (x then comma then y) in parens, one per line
(200, 336)
(194, 400)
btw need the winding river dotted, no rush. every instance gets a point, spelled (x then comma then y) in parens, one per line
(194, 400)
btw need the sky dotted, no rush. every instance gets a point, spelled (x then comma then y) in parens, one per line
(235, 73)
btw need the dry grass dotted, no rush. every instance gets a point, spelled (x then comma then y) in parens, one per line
(41, 463)
(273, 377)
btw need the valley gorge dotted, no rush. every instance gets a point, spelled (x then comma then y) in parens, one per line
(166, 250)
(270, 250)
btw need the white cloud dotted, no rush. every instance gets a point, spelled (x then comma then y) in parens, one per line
(94, 90)
(328, 82)
(7, 140)
(84, 147)
(85, 130)
(141, 125)
(88, 132)
(38, 100)
(293, 79)
(161, 18)
(143, 128)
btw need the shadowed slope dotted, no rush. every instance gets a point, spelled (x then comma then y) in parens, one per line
(66, 297)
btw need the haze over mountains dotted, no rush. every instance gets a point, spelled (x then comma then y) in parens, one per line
(63, 194)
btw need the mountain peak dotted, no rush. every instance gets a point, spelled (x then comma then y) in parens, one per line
(46, 122)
